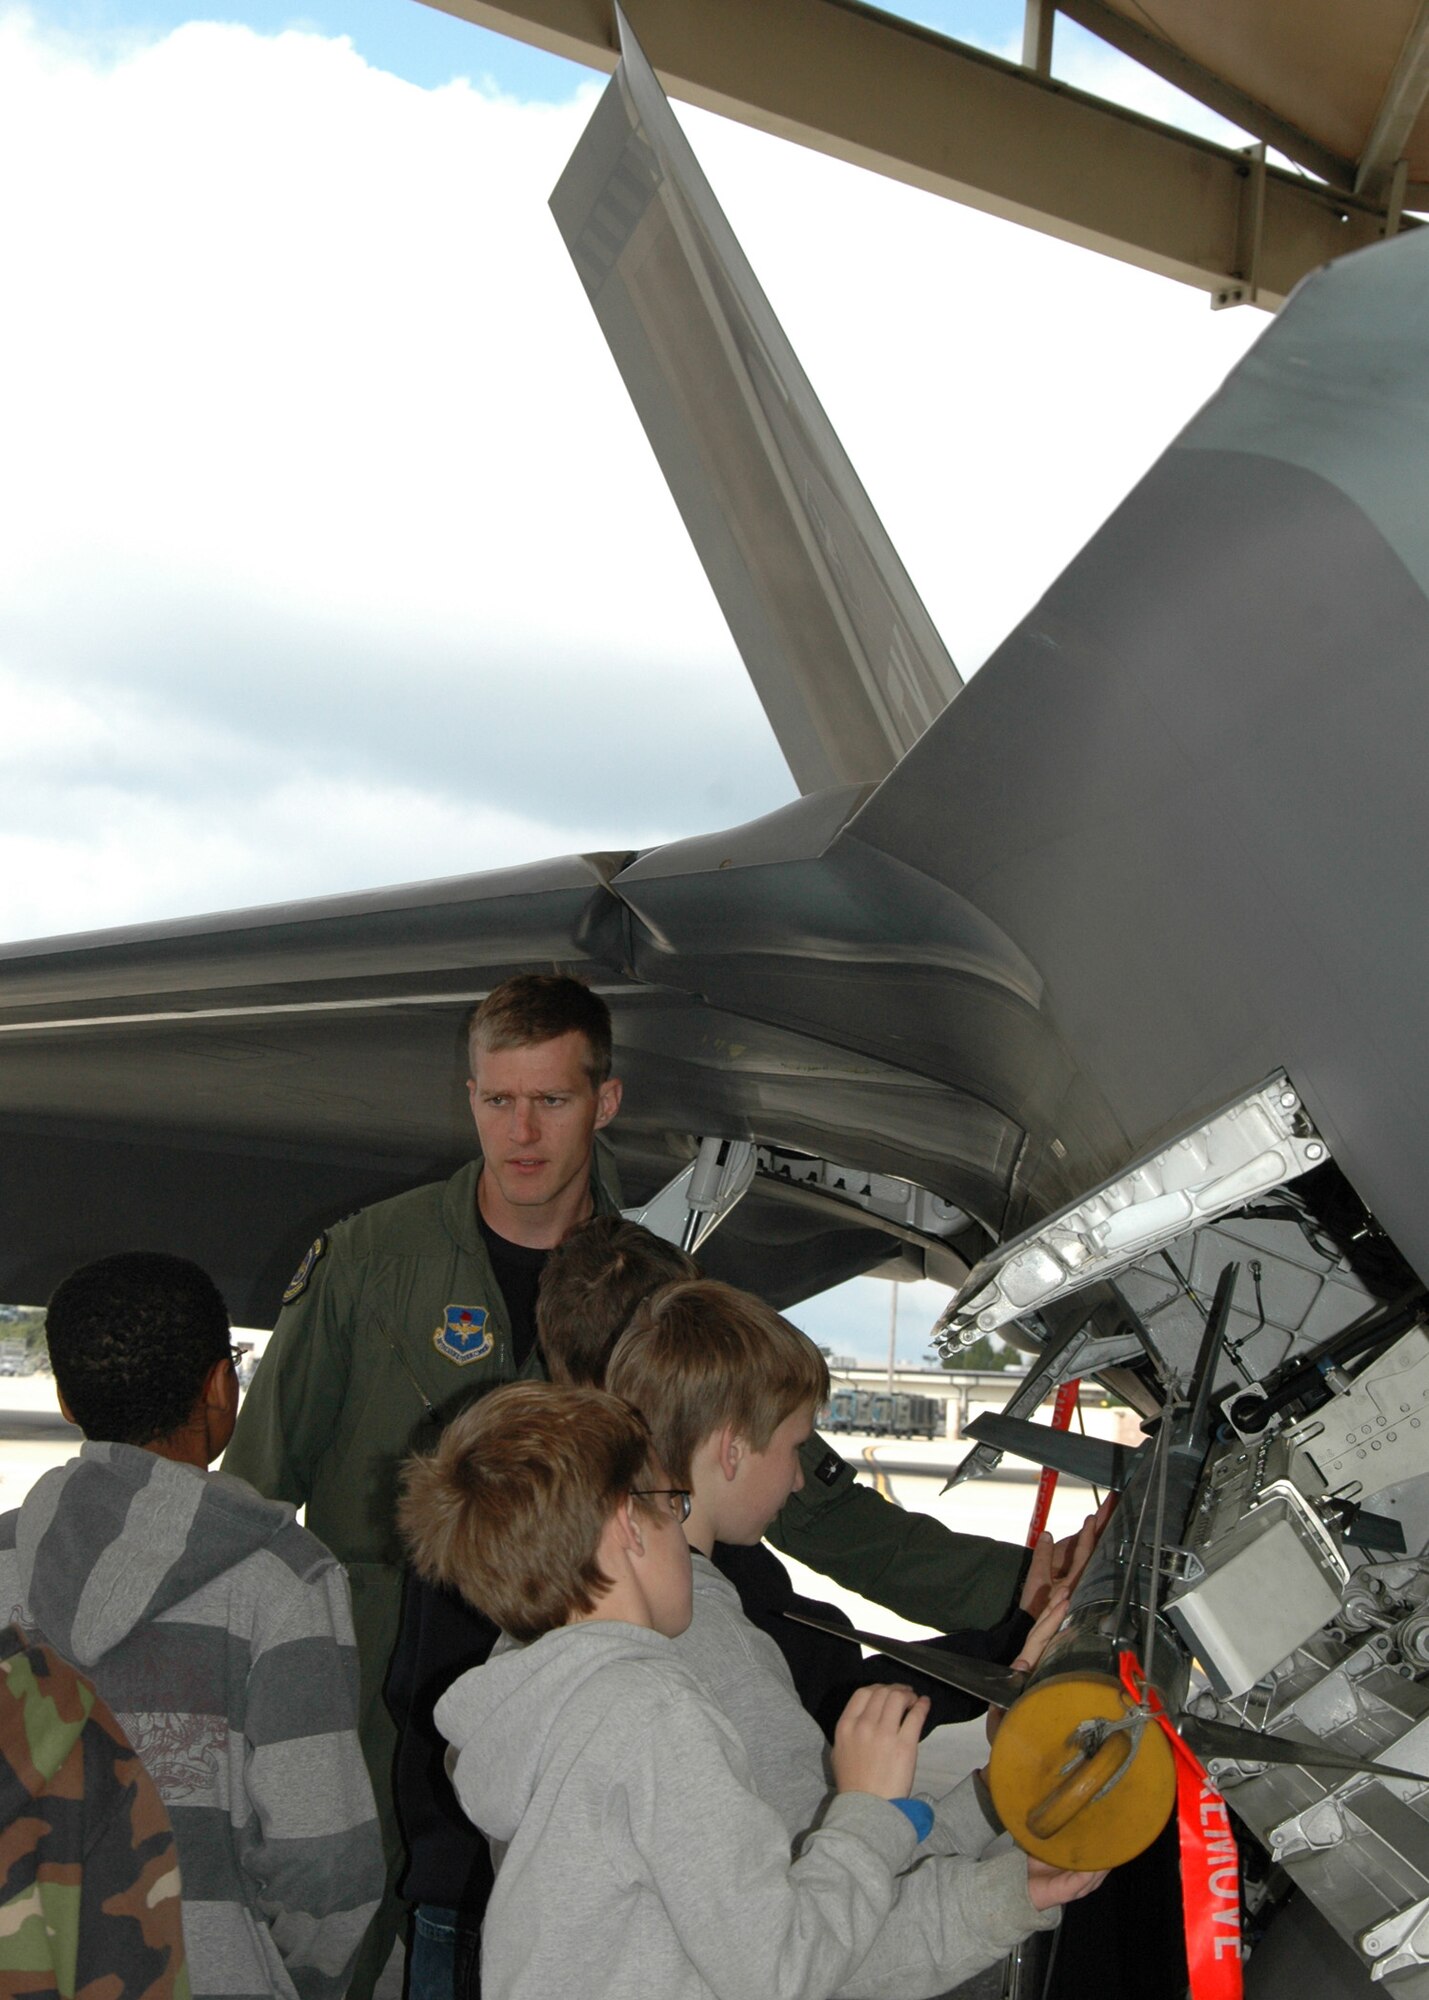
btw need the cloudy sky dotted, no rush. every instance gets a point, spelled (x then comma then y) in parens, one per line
(331, 553)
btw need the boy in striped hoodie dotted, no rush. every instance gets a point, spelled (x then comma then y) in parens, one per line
(217, 1630)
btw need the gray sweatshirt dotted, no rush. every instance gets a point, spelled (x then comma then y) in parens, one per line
(640, 1859)
(952, 1916)
(220, 1634)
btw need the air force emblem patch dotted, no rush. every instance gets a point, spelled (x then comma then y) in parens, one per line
(463, 1335)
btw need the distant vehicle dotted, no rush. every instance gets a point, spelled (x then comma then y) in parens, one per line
(877, 1414)
(919, 1416)
(841, 1411)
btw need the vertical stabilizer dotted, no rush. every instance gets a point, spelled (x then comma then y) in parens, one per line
(840, 649)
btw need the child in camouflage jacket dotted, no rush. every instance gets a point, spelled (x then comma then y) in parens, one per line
(89, 1880)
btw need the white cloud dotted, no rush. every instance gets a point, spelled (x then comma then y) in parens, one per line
(125, 850)
(998, 391)
(305, 332)
(852, 1319)
(116, 810)
(330, 550)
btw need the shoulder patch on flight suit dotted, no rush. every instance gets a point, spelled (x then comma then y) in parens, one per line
(463, 1335)
(298, 1283)
(830, 1468)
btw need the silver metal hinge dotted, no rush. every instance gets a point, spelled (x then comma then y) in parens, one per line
(1398, 1943)
(697, 1200)
(1323, 1825)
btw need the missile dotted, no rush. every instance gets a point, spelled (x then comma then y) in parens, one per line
(1082, 1769)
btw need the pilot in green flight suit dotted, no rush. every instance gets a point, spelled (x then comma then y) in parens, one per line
(398, 1314)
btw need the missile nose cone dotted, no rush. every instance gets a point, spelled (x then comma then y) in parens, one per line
(1072, 1782)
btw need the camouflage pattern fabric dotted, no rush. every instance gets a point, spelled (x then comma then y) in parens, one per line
(89, 1878)
(220, 1634)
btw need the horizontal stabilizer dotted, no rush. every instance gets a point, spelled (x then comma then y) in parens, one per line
(975, 1677)
(843, 656)
(1247, 1746)
(1096, 1460)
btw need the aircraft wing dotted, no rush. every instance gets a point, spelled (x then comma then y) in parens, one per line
(842, 654)
(226, 1086)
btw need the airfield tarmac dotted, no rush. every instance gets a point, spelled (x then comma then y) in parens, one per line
(34, 1437)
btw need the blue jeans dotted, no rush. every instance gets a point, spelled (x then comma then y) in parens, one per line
(444, 1956)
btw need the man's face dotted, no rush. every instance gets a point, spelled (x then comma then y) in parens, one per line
(537, 1114)
(765, 1479)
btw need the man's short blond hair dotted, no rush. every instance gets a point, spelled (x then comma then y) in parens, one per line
(510, 1507)
(699, 1355)
(541, 1007)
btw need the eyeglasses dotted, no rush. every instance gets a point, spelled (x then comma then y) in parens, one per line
(236, 1354)
(678, 1497)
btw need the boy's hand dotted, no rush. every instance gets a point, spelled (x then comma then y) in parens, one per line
(1047, 1887)
(1044, 1631)
(1070, 1557)
(1038, 1580)
(1063, 1562)
(1035, 1645)
(876, 1741)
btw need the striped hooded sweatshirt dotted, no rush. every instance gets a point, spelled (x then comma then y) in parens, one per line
(220, 1634)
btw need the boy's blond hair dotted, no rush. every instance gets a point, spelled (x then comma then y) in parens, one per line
(699, 1355)
(510, 1507)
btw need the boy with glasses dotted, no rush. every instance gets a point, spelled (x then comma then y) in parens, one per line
(639, 1857)
(591, 1286)
(729, 1390)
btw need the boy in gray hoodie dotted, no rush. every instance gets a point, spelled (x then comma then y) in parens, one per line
(639, 1854)
(217, 1630)
(730, 1390)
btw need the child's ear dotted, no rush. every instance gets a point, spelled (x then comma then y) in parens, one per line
(220, 1389)
(629, 1528)
(729, 1451)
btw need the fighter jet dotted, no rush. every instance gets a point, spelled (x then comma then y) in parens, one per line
(1093, 988)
